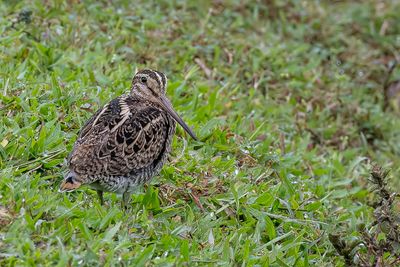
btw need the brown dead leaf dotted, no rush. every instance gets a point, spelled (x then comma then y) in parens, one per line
(229, 55)
(261, 137)
(5, 216)
(252, 126)
(204, 67)
(246, 160)
(177, 218)
(197, 201)
(384, 27)
(393, 94)
(282, 143)
(394, 89)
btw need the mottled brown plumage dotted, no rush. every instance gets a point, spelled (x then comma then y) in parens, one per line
(125, 143)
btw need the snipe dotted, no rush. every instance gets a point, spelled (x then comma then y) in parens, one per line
(125, 143)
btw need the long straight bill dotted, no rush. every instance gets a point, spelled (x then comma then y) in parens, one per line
(168, 107)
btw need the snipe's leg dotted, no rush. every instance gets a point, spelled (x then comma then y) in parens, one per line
(126, 197)
(100, 195)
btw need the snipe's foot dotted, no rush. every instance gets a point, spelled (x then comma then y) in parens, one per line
(126, 197)
(100, 195)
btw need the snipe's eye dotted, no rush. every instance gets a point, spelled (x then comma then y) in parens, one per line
(143, 79)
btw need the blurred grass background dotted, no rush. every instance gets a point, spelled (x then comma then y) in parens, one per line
(287, 98)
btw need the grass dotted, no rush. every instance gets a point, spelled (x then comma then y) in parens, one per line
(287, 99)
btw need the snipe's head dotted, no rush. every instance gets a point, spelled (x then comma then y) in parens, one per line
(151, 86)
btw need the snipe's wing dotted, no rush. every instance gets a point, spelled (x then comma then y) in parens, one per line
(124, 136)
